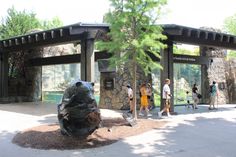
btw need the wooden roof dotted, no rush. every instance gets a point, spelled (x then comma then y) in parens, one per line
(76, 32)
(201, 37)
(66, 34)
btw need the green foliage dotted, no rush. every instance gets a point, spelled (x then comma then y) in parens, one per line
(49, 24)
(230, 27)
(157, 98)
(183, 51)
(231, 54)
(230, 24)
(133, 32)
(189, 72)
(20, 22)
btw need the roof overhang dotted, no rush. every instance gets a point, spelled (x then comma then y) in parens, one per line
(61, 35)
(200, 37)
(79, 31)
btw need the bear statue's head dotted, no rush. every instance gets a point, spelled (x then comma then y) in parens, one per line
(84, 91)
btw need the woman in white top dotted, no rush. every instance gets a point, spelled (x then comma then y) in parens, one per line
(130, 96)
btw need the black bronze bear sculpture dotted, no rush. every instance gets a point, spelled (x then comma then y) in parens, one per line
(78, 113)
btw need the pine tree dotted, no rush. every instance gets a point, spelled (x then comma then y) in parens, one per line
(133, 33)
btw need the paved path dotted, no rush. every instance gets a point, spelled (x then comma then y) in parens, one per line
(190, 134)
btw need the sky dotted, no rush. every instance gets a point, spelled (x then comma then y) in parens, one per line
(191, 13)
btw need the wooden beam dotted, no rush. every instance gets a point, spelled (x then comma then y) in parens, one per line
(36, 37)
(17, 42)
(206, 42)
(61, 32)
(10, 42)
(43, 43)
(200, 60)
(44, 35)
(87, 60)
(52, 34)
(68, 59)
(29, 39)
(5, 43)
(23, 41)
(4, 74)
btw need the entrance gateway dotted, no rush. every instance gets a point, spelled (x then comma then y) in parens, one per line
(87, 34)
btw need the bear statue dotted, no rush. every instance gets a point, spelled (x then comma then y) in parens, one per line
(78, 113)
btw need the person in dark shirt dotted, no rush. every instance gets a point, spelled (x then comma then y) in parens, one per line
(213, 94)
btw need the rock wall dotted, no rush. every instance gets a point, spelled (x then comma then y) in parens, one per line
(215, 71)
(231, 80)
(27, 84)
(34, 79)
(117, 98)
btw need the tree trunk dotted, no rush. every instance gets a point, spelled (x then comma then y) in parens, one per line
(134, 90)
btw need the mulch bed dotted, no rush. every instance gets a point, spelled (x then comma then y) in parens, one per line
(112, 130)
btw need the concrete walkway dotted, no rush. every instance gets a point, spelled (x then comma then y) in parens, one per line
(199, 133)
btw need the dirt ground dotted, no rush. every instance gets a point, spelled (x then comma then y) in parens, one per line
(112, 130)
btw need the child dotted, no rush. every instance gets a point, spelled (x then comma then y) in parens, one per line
(195, 96)
(188, 98)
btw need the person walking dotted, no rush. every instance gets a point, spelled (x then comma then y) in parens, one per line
(195, 96)
(213, 95)
(144, 100)
(130, 97)
(166, 98)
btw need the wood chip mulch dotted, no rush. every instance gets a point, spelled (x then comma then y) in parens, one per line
(112, 130)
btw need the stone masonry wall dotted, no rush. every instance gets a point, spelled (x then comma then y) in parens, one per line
(26, 86)
(216, 71)
(231, 80)
(118, 98)
(34, 89)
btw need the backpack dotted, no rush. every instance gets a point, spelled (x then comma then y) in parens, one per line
(211, 89)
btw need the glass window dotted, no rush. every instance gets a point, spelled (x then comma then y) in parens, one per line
(185, 49)
(56, 78)
(156, 85)
(185, 75)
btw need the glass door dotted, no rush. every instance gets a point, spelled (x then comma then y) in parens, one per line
(185, 76)
(156, 86)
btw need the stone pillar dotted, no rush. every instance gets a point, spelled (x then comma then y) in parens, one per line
(26, 83)
(87, 60)
(215, 71)
(231, 80)
(4, 74)
(117, 98)
(33, 77)
(204, 84)
(167, 72)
